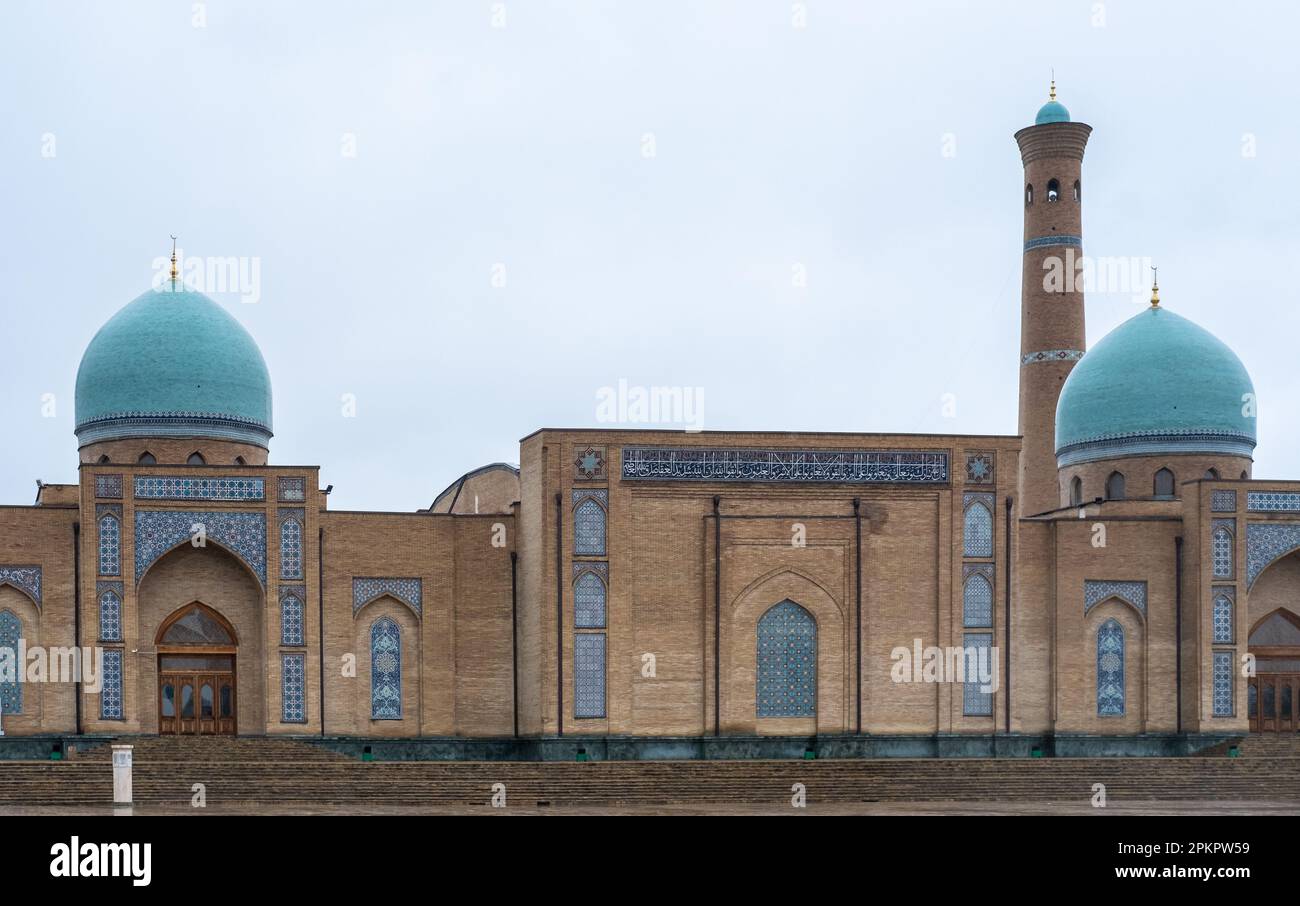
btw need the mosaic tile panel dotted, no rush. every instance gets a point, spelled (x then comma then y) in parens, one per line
(1223, 501)
(110, 545)
(1221, 547)
(291, 544)
(974, 701)
(11, 692)
(1051, 355)
(1273, 501)
(1222, 695)
(110, 693)
(175, 487)
(108, 486)
(366, 588)
(110, 616)
(589, 529)
(977, 602)
(599, 567)
(1059, 239)
(1222, 617)
(977, 525)
(292, 490)
(26, 579)
(1265, 542)
(589, 674)
(589, 464)
(979, 468)
(385, 670)
(293, 688)
(589, 602)
(804, 466)
(1110, 669)
(787, 662)
(291, 619)
(158, 531)
(1096, 591)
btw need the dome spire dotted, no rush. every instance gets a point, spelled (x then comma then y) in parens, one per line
(173, 261)
(1155, 287)
(1052, 94)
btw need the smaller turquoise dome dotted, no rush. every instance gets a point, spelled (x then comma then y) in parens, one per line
(1158, 383)
(173, 363)
(1052, 112)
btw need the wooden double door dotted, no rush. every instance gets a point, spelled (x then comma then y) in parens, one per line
(1273, 703)
(196, 696)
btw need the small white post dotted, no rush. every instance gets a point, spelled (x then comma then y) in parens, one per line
(122, 775)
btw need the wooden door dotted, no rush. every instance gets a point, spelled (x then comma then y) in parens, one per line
(198, 704)
(1273, 703)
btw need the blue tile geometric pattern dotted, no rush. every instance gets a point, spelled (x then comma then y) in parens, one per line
(1221, 548)
(977, 527)
(589, 529)
(1222, 696)
(110, 616)
(1222, 617)
(589, 675)
(787, 662)
(108, 486)
(1062, 239)
(160, 487)
(385, 670)
(293, 489)
(366, 588)
(977, 602)
(290, 544)
(26, 579)
(110, 692)
(1266, 542)
(11, 691)
(110, 545)
(1273, 501)
(293, 688)
(1096, 591)
(158, 531)
(1110, 669)
(974, 701)
(841, 467)
(1223, 501)
(1051, 355)
(291, 620)
(589, 602)
(979, 468)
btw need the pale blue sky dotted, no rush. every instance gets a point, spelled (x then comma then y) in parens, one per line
(776, 146)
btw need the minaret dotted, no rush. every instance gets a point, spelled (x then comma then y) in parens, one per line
(1051, 299)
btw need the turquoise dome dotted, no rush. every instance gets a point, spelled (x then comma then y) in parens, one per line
(1052, 112)
(1156, 384)
(173, 363)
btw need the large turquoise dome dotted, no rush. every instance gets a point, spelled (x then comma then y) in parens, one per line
(173, 363)
(1157, 383)
(1052, 112)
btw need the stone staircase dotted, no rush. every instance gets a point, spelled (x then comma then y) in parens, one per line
(268, 770)
(1270, 745)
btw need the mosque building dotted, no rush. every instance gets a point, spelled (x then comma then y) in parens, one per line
(1113, 562)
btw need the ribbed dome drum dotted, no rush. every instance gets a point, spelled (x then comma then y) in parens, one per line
(173, 363)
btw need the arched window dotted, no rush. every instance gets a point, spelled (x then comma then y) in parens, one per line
(1244, 476)
(110, 546)
(147, 459)
(1077, 193)
(1110, 669)
(977, 531)
(1221, 550)
(589, 529)
(1053, 190)
(291, 620)
(110, 617)
(787, 662)
(104, 460)
(239, 461)
(977, 602)
(1222, 618)
(1076, 491)
(291, 549)
(1212, 474)
(11, 691)
(1164, 483)
(385, 670)
(196, 459)
(589, 602)
(1115, 486)
(1029, 194)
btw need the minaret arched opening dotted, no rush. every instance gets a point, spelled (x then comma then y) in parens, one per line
(1115, 486)
(1053, 191)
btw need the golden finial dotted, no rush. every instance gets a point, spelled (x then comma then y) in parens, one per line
(173, 260)
(1053, 92)
(1155, 287)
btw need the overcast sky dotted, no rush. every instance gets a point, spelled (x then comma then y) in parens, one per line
(810, 211)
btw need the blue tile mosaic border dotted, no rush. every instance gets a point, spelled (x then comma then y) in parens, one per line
(801, 466)
(26, 579)
(176, 487)
(1097, 590)
(158, 531)
(409, 591)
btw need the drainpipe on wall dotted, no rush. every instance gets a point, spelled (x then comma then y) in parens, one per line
(857, 582)
(717, 615)
(514, 635)
(320, 601)
(76, 609)
(559, 615)
(1006, 586)
(1178, 634)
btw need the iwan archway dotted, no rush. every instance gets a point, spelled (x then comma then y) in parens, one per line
(197, 688)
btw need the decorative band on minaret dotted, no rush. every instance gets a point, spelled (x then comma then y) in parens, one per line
(1051, 309)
